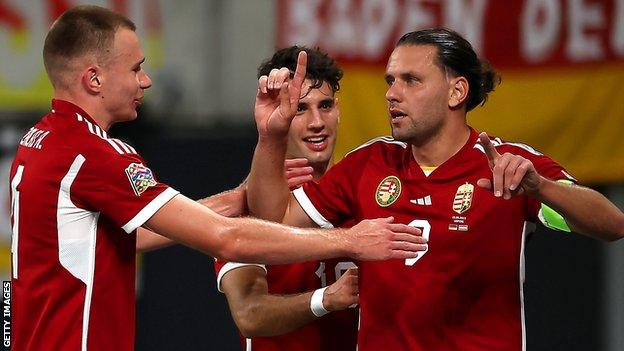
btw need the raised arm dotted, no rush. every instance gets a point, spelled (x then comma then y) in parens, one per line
(276, 104)
(252, 240)
(258, 313)
(585, 210)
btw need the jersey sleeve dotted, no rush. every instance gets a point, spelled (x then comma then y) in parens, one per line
(121, 187)
(330, 201)
(223, 267)
(547, 168)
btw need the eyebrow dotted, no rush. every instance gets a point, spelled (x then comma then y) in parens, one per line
(139, 63)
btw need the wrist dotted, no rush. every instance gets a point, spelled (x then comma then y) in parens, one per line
(316, 302)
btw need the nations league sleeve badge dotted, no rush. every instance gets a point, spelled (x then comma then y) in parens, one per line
(388, 191)
(140, 178)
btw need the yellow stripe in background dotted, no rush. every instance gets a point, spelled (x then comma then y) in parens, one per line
(573, 115)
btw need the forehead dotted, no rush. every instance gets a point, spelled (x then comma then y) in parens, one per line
(126, 45)
(407, 58)
(318, 94)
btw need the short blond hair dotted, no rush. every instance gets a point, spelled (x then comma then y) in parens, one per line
(79, 32)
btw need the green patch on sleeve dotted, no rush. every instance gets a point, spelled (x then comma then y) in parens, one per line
(551, 218)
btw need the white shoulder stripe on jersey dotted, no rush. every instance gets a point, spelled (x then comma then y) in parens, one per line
(122, 145)
(232, 266)
(118, 145)
(131, 148)
(114, 145)
(309, 208)
(383, 139)
(148, 211)
(497, 142)
(76, 230)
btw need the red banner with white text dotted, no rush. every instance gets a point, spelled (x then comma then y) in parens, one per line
(561, 62)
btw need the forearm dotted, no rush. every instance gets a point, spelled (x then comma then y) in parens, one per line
(258, 313)
(245, 239)
(267, 188)
(147, 240)
(270, 315)
(230, 203)
(585, 210)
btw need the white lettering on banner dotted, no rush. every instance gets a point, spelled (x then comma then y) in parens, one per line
(343, 33)
(379, 18)
(617, 37)
(416, 16)
(540, 26)
(364, 31)
(559, 30)
(582, 19)
(304, 28)
(466, 17)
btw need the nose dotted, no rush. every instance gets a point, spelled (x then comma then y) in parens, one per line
(315, 120)
(393, 93)
(144, 80)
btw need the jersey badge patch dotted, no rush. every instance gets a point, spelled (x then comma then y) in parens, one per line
(463, 198)
(140, 178)
(388, 191)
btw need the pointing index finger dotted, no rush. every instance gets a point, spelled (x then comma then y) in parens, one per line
(488, 147)
(298, 78)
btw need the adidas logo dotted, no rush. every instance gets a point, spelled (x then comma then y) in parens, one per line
(422, 201)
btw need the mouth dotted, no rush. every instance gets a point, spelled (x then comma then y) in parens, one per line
(396, 115)
(317, 142)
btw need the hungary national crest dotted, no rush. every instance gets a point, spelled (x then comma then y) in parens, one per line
(140, 177)
(388, 191)
(463, 198)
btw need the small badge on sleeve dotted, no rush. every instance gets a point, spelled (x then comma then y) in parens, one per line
(140, 178)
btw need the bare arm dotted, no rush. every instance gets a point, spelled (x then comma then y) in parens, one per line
(276, 105)
(586, 211)
(258, 313)
(230, 203)
(253, 240)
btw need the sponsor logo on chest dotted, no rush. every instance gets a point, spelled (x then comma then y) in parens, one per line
(388, 191)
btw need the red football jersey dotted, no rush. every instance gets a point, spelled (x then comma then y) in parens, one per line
(465, 292)
(77, 198)
(334, 331)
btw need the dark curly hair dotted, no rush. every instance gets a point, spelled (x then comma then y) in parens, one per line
(457, 57)
(321, 67)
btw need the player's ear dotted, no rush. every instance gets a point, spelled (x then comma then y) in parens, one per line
(92, 79)
(458, 91)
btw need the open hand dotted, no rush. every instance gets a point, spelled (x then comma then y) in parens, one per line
(380, 239)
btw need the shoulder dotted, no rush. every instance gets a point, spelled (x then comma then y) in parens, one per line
(96, 141)
(379, 145)
(503, 146)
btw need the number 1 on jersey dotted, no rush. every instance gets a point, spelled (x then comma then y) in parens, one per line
(15, 203)
(425, 226)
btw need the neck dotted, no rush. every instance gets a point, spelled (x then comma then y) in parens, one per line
(89, 104)
(442, 145)
(319, 169)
